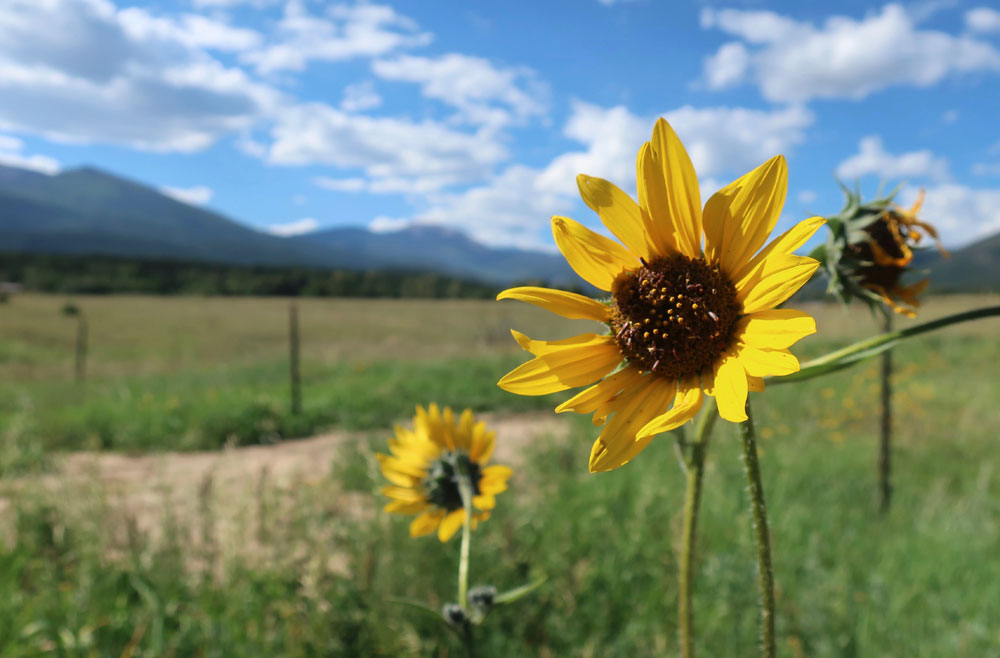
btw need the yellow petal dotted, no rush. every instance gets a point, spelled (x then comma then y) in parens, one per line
(404, 494)
(543, 347)
(567, 304)
(426, 523)
(618, 444)
(731, 388)
(766, 363)
(600, 394)
(484, 502)
(450, 524)
(775, 329)
(566, 368)
(619, 213)
(783, 245)
(483, 442)
(778, 279)
(739, 217)
(653, 201)
(683, 192)
(404, 473)
(594, 257)
(755, 384)
(686, 406)
(497, 472)
(396, 507)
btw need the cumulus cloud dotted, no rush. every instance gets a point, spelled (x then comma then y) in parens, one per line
(129, 77)
(513, 207)
(983, 19)
(298, 227)
(11, 154)
(794, 60)
(341, 184)
(198, 195)
(397, 152)
(872, 158)
(482, 92)
(961, 214)
(359, 97)
(342, 32)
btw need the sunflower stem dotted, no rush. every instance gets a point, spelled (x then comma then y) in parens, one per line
(885, 442)
(758, 510)
(694, 463)
(465, 490)
(864, 349)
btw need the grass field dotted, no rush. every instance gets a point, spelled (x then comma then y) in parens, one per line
(80, 579)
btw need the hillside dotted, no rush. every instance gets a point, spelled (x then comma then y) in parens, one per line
(89, 211)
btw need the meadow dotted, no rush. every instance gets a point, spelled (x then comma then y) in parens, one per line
(267, 562)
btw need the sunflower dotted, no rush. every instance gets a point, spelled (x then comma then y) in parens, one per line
(683, 321)
(427, 463)
(885, 252)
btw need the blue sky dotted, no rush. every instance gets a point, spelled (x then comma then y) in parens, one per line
(291, 115)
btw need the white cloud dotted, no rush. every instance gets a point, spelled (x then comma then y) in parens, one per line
(480, 91)
(128, 77)
(298, 227)
(344, 32)
(513, 208)
(986, 168)
(983, 19)
(960, 213)
(360, 97)
(198, 195)
(872, 158)
(844, 58)
(11, 155)
(425, 154)
(191, 30)
(728, 66)
(341, 184)
(807, 196)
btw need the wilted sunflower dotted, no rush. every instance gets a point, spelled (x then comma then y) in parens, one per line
(425, 467)
(682, 320)
(884, 253)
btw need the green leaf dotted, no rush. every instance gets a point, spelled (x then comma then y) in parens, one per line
(512, 595)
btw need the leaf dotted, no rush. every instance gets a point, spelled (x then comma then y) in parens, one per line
(512, 595)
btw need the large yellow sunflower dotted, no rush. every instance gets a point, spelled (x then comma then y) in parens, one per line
(684, 321)
(426, 464)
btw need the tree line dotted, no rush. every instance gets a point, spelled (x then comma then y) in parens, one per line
(100, 274)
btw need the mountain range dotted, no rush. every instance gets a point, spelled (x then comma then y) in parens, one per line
(90, 211)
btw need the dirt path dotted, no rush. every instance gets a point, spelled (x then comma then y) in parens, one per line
(233, 489)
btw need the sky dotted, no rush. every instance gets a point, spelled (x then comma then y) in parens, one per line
(297, 115)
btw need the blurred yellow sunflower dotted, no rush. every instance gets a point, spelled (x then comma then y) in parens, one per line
(683, 321)
(426, 464)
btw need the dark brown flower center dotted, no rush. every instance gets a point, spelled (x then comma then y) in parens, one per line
(674, 316)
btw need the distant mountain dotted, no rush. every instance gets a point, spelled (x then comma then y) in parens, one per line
(975, 268)
(445, 250)
(89, 211)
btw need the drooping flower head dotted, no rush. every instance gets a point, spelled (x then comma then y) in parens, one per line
(427, 463)
(684, 319)
(872, 249)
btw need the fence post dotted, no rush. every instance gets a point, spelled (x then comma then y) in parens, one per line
(293, 358)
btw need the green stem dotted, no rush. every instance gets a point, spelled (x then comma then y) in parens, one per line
(885, 438)
(465, 490)
(765, 574)
(695, 470)
(870, 347)
(469, 640)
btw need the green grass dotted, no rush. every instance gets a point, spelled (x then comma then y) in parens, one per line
(77, 580)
